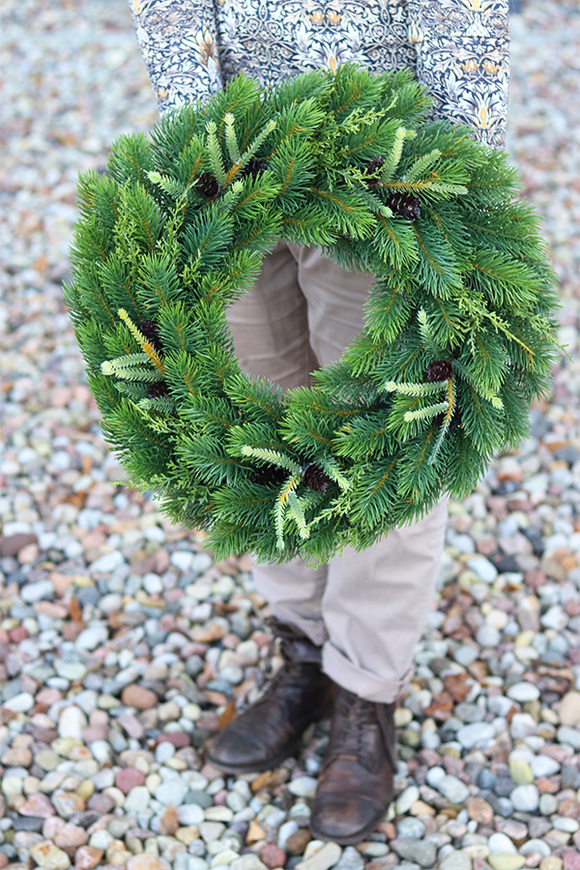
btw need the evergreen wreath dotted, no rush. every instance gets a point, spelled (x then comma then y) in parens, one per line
(459, 328)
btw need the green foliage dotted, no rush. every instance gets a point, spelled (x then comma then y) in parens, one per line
(459, 326)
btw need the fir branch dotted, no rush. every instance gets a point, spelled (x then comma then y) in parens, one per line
(215, 154)
(254, 146)
(332, 469)
(231, 138)
(421, 164)
(275, 457)
(296, 511)
(140, 338)
(393, 158)
(410, 389)
(426, 413)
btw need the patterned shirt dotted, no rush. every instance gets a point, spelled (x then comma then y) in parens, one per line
(458, 49)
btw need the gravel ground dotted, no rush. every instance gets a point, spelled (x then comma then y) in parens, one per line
(122, 643)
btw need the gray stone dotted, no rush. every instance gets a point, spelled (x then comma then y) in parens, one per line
(525, 798)
(476, 734)
(421, 852)
(453, 789)
(350, 859)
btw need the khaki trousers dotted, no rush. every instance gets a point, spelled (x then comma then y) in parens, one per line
(367, 609)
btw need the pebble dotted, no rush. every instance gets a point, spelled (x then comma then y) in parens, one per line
(453, 789)
(569, 711)
(122, 642)
(455, 860)
(506, 861)
(421, 852)
(525, 798)
(49, 856)
(322, 859)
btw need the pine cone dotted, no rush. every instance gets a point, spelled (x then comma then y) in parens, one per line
(207, 185)
(316, 478)
(157, 389)
(254, 167)
(269, 475)
(373, 166)
(440, 370)
(405, 205)
(150, 330)
(457, 418)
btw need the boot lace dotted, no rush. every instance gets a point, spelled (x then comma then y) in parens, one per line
(356, 715)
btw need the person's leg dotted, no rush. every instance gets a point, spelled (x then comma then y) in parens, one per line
(374, 606)
(269, 326)
(270, 331)
(375, 602)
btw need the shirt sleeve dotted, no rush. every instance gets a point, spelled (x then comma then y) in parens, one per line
(177, 39)
(463, 60)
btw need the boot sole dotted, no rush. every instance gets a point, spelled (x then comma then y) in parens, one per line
(355, 837)
(269, 763)
(258, 767)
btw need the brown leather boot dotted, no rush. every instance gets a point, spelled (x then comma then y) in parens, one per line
(268, 731)
(355, 784)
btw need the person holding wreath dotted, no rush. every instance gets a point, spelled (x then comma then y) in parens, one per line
(348, 628)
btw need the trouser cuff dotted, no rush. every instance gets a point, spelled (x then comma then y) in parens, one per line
(357, 680)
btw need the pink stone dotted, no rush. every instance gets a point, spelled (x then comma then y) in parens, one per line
(101, 803)
(129, 778)
(178, 738)
(51, 827)
(95, 732)
(48, 696)
(571, 860)
(147, 862)
(88, 857)
(17, 634)
(131, 726)
(139, 697)
(12, 544)
(273, 856)
(37, 805)
(71, 837)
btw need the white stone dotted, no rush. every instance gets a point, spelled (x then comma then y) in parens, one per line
(71, 722)
(568, 735)
(525, 798)
(303, 786)
(324, 858)
(406, 799)
(484, 569)
(476, 734)
(522, 725)
(501, 843)
(33, 592)
(20, 703)
(555, 617)
(455, 860)
(487, 636)
(453, 789)
(190, 814)
(182, 559)
(92, 637)
(108, 563)
(172, 791)
(535, 845)
(435, 775)
(138, 799)
(522, 692)
(543, 765)
(71, 671)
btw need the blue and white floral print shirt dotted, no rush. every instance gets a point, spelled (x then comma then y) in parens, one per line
(458, 49)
